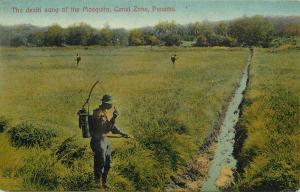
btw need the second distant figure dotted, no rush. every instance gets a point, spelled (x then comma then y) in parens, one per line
(78, 59)
(173, 59)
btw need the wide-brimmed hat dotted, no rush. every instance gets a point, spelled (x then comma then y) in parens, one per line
(107, 99)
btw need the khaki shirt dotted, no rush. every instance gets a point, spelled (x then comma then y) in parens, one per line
(102, 124)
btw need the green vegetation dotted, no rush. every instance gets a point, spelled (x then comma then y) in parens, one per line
(269, 158)
(69, 151)
(168, 111)
(42, 171)
(3, 124)
(245, 31)
(254, 31)
(27, 135)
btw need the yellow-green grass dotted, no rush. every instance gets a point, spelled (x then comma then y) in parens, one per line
(270, 156)
(167, 110)
(10, 160)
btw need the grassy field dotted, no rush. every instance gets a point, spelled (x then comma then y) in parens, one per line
(169, 111)
(270, 157)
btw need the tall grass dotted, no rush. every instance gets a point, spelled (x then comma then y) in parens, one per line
(69, 151)
(42, 171)
(270, 155)
(10, 161)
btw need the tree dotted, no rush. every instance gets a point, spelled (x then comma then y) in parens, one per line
(172, 39)
(292, 30)
(165, 27)
(18, 41)
(253, 31)
(151, 40)
(221, 29)
(195, 29)
(206, 30)
(54, 36)
(93, 37)
(202, 41)
(79, 34)
(36, 39)
(230, 41)
(168, 33)
(136, 37)
(119, 37)
(106, 36)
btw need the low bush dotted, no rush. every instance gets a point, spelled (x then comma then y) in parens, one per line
(28, 135)
(69, 151)
(120, 183)
(3, 124)
(41, 171)
(138, 168)
(79, 177)
(278, 42)
(215, 40)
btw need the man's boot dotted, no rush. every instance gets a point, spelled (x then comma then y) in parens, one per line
(104, 179)
(101, 183)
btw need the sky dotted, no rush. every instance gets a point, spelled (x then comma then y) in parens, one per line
(182, 11)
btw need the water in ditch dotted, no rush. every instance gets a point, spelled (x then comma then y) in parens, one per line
(223, 155)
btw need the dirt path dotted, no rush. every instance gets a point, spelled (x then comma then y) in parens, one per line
(213, 167)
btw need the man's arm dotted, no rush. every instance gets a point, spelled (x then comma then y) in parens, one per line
(116, 130)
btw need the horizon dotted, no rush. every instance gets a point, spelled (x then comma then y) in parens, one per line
(183, 12)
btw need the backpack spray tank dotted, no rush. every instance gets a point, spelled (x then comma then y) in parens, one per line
(84, 115)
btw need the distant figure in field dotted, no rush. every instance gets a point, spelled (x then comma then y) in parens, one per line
(251, 51)
(173, 59)
(78, 59)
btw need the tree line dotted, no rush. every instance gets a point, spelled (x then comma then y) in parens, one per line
(246, 31)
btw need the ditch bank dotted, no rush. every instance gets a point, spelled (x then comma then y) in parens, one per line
(213, 167)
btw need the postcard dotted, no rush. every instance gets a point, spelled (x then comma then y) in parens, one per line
(149, 95)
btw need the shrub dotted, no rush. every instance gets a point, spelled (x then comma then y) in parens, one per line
(171, 40)
(120, 183)
(202, 41)
(151, 40)
(215, 40)
(27, 135)
(3, 124)
(138, 166)
(278, 42)
(69, 151)
(79, 162)
(136, 37)
(79, 177)
(40, 171)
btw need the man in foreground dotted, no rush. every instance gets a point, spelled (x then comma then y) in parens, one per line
(102, 122)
